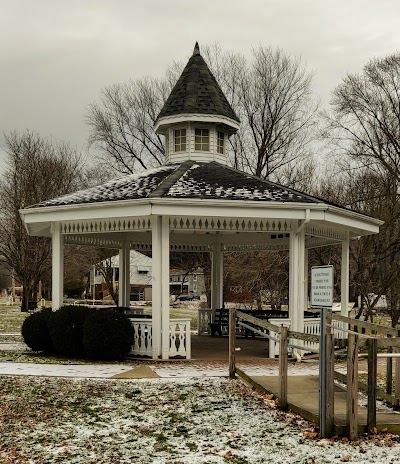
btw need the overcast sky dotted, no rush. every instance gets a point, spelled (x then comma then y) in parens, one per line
(56, 55)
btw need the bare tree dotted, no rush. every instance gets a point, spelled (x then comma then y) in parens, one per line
(122, 123)
(260, 276)
(271, 94)
(375, 259)
(37, 169)
(365, 119)
(104, 264)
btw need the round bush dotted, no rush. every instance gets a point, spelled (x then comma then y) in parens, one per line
(107, 334)
(66, 326)
(35, 331)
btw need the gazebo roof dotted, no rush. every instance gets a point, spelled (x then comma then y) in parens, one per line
(205, 202)
(189, 180)
(197, 91)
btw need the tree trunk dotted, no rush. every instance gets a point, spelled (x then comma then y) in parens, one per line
(26, 297)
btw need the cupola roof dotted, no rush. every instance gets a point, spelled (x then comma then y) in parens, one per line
(197, 91)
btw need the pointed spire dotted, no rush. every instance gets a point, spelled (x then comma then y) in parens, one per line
(197, 92)
(196, 50)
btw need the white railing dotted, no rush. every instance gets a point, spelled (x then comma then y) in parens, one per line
(274, 345)
(143, 337)
(312, 326)
(179, 337)
(204, 321)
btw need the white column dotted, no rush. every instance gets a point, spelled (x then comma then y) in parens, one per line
(302, 295)
(57, 275)
(217, 276)
(113, 277)
(156, 284)
(293, 280)
(124, 275)
(305, 277)
(121, 279)
(345, 269)
(127, 250)
(165, 287)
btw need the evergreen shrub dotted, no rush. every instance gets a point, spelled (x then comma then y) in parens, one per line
(35, 331)
(66, 328)
(107, 334)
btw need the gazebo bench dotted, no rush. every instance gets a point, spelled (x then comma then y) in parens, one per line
(221, 319)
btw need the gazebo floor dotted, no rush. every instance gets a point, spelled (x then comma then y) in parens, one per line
(205, 347)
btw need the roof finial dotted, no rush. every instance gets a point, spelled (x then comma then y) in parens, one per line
(196, 50)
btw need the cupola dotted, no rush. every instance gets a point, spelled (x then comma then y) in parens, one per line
(197, 118)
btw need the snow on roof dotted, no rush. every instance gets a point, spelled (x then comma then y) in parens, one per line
(125, 188)
(186, 180)
(213, 180)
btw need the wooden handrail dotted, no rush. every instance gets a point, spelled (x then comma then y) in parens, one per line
(380, 329)
(255, 320)
(303, 336)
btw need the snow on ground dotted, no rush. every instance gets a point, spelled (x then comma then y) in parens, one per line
(165, 370)
(49, 420)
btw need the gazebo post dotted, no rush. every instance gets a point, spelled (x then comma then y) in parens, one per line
(124, 275)
(344, 290)
(57, 275)
(293, 280)
(296, 279)
(302, 281)
(305, 279)
(156, 241)
(165, 336)
(217, 276)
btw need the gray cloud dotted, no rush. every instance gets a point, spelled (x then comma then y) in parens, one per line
(56, 56)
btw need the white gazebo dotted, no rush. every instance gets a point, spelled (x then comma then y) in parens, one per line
(196, 202)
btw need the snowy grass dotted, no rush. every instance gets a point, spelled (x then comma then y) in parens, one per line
(192, 421)
(11, 323)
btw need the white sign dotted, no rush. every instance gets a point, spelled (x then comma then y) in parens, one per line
(322, 286)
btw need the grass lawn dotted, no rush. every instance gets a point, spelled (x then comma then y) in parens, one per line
(50, 420)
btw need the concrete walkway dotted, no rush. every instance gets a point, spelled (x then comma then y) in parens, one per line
(151, 369)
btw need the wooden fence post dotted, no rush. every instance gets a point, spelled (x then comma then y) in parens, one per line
(352, 387)
(389, 371)
(232, 343)
(397, 373)
(397, 376)
(283, 367)
(372, 376)
(330, 384)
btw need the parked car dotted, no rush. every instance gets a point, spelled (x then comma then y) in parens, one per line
(185, 297)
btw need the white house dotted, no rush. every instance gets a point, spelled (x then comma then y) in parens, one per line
(140, 277)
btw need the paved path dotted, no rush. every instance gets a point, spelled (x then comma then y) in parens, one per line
(149, 369)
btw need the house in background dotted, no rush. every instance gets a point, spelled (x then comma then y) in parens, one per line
(141, 279)
(181, 283)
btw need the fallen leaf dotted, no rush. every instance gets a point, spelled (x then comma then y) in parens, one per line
(311, 434)
(345, 458)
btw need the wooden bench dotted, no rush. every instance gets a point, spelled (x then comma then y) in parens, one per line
(221, 319)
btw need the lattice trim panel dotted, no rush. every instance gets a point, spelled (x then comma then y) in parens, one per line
(258, 247)
(325, 232)
(107, 225)
(229, 224)
(315, 242)
(92, 241)
(173, 247)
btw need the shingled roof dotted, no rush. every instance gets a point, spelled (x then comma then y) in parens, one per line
(197, 91)
(189, 179)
